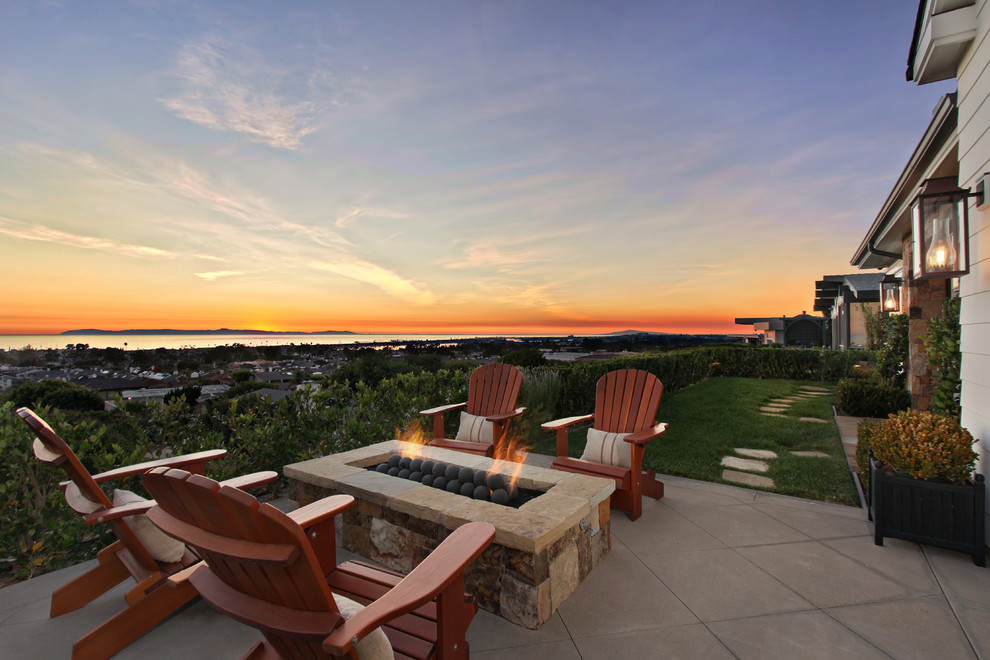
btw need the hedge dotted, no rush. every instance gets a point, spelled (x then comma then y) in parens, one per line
(40, 533)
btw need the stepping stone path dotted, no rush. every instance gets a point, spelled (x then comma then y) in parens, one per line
(740, 470)
(752, 464)
(776, 407)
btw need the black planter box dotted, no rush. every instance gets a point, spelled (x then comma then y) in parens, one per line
(938, 514)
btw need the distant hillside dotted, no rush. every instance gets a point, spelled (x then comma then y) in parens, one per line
(632, 332)
(221, 331)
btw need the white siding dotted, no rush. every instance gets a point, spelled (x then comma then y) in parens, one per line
(974, 160)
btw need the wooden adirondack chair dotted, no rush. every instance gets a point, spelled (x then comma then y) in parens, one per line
(626, 402)
(277, 572)
(492, 394)
(129, 556)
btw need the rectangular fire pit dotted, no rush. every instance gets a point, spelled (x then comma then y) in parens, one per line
(541, 551)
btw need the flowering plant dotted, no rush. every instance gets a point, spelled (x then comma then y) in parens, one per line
(925, 445)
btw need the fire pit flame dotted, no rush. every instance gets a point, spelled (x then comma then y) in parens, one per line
(415, 440)
(509, 458)
(488, 485)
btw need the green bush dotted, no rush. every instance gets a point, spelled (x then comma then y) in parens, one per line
(868, 397)
(41, 533)
(892, 354)
(864, 433)
(925, 445)
(941, 346)
(55, 394)
(524, 357)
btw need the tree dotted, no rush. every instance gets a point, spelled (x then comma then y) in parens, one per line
(876, 324)
(54, 393)
(189, 394)
(524, 357)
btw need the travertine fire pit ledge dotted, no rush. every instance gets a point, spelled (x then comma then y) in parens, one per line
(568, 499)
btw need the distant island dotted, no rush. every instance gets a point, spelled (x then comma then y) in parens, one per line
(221, 331)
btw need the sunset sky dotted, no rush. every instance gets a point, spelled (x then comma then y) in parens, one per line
(469, 167)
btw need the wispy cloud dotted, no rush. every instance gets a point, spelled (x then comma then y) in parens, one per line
(217, 274)
(230, 87)
(383, 278)
(43, 234)
(356, 213)
(219, 222)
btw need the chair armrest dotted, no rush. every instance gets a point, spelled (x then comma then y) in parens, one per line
(320, 510)
(181, 578)
(442, 409)
(565, 422)
(172, 462)
(317, 520)
(244, 482)
(253, 480)
(433, 575)
(561, 426)
(501, 417)
(117, 512)
(642, 436)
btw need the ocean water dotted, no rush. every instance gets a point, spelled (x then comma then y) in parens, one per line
(144, 342)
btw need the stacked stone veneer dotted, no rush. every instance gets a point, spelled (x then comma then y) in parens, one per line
(541, 551)
(925, 298)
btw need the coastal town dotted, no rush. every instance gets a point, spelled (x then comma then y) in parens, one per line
(274, 371)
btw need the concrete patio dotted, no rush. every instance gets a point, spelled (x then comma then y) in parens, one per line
(709, 571)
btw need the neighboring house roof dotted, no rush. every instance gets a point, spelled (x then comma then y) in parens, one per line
(861, 287)
(270, 393)
(112, 384)
(272, 376)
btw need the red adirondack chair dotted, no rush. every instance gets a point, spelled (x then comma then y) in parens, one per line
(140, 551)
(277, 572)
(624, 422)
(491, 405)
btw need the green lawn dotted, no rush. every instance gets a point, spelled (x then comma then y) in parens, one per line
(710, 419)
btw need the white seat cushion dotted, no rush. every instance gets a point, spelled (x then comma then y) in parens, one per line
(375, 644)
(159, 545)
(475, 429)
(608, 449)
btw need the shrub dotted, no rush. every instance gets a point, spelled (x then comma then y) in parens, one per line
(54, 393)
(892, 354)
(864, 436)
(524, 357)
(868, 397)
(925, 446)
(941, 346)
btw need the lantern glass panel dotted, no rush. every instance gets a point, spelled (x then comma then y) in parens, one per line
(940, 240)
(890, 296)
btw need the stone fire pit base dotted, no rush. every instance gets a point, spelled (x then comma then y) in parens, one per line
(541, 551)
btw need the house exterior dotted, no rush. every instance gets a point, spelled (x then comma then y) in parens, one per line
(801, 330)
(841, 298)
(950, 40)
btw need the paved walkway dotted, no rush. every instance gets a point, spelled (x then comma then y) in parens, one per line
(709, 571)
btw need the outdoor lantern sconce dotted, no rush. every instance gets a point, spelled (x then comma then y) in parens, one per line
(940, 221)
(890, 294)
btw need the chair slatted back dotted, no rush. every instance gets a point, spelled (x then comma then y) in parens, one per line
(53, 450)
(627, 401)
(493, 389)
(261, 561)
(50, 448)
